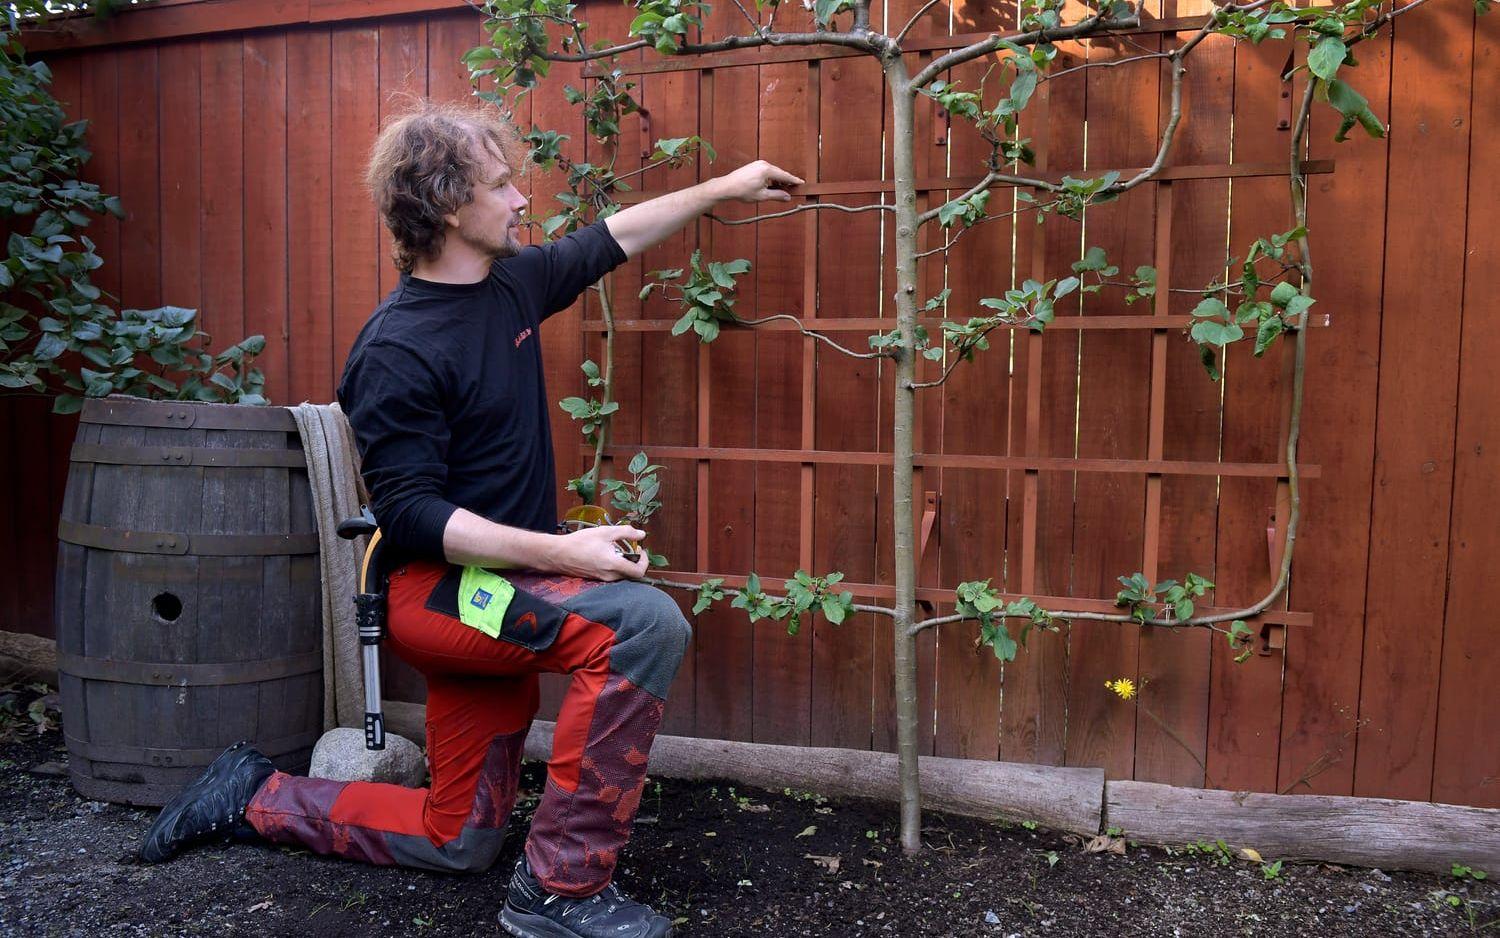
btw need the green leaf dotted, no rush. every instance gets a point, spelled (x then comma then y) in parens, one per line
(1211, 308)
(638, 464)
(833, 610)
(48, 347)
(721, 276)
(1211, 332)
(1326, 57)
(1283, 294)
(1353, 106)
(1002, 643)
(1210, 362)
(1270, 328)
(1093, 259)
(67, 404)
(1299, 304)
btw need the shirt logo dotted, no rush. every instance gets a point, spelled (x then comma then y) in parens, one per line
(525, 334)
(481, 599)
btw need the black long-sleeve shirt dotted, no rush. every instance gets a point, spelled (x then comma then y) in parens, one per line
(444, 389)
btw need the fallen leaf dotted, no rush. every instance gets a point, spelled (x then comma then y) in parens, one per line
(755, 808)
(260, 906)
(830, 864)
(1106, 844)
(1251, 854)
(808, 831)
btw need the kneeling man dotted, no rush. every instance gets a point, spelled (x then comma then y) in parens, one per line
(444, 390)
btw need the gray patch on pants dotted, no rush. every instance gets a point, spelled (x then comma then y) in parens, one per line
(651, 633)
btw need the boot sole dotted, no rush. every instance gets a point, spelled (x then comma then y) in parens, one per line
(526, 925)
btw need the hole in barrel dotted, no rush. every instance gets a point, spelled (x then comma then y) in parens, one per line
(166, 606)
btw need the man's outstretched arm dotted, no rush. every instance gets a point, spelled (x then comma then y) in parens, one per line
(640, 226)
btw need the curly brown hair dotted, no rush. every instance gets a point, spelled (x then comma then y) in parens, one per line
(424, 165)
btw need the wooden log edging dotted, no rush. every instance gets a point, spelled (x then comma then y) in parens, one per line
(1375, 832)
(25, 657)
(1069, 799)
(1378, 832)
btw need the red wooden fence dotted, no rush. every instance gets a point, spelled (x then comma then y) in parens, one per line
(235, 134)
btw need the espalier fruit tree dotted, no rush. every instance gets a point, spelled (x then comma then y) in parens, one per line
(1265, 300)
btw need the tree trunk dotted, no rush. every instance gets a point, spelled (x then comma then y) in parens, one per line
(905, 664)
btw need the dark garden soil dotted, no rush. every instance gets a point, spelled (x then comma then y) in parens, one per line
(719, 860)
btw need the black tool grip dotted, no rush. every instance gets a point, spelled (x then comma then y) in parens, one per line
(375, 730)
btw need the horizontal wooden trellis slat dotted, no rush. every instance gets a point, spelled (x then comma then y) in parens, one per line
(938, 595)
(831, 324)
(961, 461)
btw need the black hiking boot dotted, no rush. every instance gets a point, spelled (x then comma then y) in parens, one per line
(532, 912)
(212, 807)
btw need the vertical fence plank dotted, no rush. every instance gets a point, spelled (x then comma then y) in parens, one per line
(449, 36)
(179, 65)
(1416, 403)
(976, 407)
(1244, 723)
(669, 413)
(222, 210)
(1466, 767)
(403, 81)
(724, 638)
(356, 110)
(1039, 537)
(266, 268)
(139, 183)
(1175, 665)
(312, 372)
(1112, 415)
(847, 656)
(783, 663)
(1321, 698)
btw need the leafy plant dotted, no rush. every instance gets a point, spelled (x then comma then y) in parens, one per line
(59, 334)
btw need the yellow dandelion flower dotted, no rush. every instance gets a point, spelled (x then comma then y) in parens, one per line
(1124, 687)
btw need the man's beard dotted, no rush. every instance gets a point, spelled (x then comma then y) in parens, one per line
(508, 246)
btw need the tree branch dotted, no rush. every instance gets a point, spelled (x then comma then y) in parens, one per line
(694, 587)
(945, 248)
(990, 179)
(754, 24)
(1107, 63)
(752, 323)
(913, 21)
(1097, 23)
(808, 207)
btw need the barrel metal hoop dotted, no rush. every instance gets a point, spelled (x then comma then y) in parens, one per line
(117, 455)
(170, 542)
(177, 674)
(146, 755)
(134, 412)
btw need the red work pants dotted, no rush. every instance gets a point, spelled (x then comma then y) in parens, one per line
(621, 642)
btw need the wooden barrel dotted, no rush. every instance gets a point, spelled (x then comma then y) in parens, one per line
(188, 607)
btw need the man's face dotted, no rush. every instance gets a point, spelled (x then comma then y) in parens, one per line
(490, 222)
